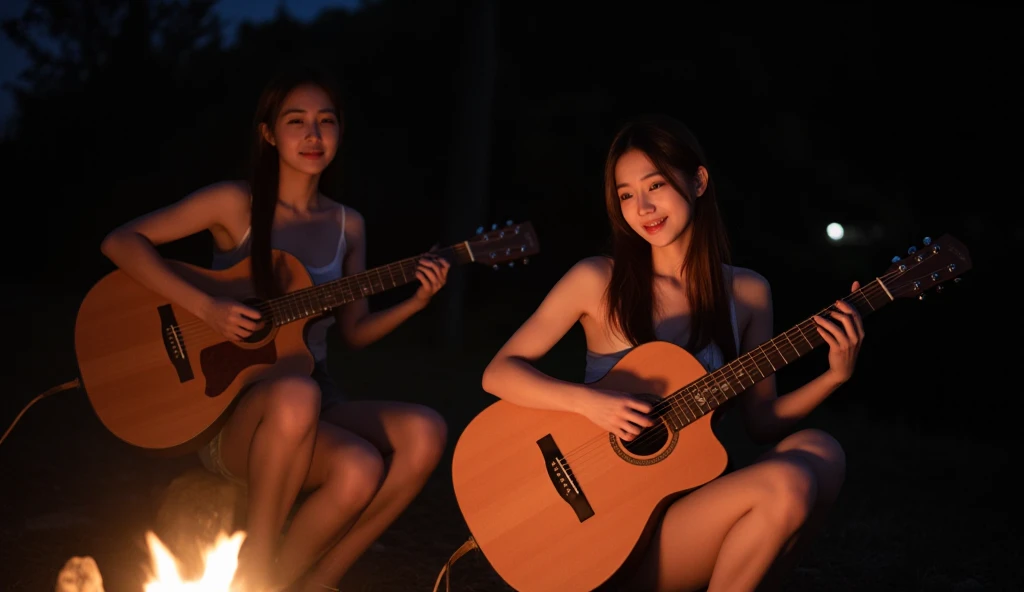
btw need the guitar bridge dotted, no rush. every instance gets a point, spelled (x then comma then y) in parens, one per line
(562, 478)
(174, 343)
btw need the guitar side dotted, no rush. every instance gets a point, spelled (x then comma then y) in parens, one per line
(529, 522)
(158, 377)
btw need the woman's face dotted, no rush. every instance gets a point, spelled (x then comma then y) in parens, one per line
(650, 204)
(307, 131)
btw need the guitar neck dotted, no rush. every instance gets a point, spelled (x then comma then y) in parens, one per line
(319, 299)
(713, 389)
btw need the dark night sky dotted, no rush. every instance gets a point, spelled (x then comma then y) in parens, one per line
(234, 12)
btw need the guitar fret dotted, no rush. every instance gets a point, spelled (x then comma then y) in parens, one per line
(779, 350)
(319, 299)
(710, 391)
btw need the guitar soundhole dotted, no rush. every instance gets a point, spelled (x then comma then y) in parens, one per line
(265, 325)
(650, 440)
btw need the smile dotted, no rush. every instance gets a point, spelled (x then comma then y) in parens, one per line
(655, 226)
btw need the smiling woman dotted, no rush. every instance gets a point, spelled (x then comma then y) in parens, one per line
(360, 463)
(668, 280)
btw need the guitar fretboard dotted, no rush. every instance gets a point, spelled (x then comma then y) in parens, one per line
(316, 300)
(704, 395)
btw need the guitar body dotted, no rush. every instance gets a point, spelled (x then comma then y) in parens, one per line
(158, 377)
(528, 519)
(557, 504)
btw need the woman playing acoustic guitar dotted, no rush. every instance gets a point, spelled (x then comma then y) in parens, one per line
(363, 462)
(668, 279)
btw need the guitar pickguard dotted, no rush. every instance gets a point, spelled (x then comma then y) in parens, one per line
(222, 363)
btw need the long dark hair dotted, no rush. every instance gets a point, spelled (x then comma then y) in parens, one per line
(264, 173)
(673, 149)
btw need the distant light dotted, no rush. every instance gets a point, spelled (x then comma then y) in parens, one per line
(835, 231)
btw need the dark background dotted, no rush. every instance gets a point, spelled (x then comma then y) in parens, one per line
(897, 121)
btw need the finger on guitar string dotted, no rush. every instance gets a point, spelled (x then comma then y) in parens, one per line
(855, 327)
(850, 332)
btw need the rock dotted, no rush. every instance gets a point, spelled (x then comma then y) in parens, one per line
(80, 574)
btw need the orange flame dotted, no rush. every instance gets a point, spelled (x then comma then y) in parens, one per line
(219, 564)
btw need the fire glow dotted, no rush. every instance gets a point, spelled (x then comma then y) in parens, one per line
(219, 564)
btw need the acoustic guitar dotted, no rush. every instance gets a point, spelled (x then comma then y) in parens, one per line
(556, 504)
(161, 379)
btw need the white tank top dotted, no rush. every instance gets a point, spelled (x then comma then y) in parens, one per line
(316, 337)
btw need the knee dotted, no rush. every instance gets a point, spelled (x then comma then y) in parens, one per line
(355, 475)
(293, 406)
(826, 457)
(791, 493)
(426, 437)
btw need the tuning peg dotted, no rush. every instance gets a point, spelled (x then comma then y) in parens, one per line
(511, 263)
(927, 240)
(495, 267)
(494, 226)
(895, 259)
(911, 250)
(508, 223)
(526, 261)
(957, 280)
(939, 289)
(920, 296)
(479, 229)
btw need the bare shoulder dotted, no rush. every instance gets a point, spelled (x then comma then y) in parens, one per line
(231, 197)
(233, 192)
(586, 282)
(351, 220)
(750, 287)
(592, 272)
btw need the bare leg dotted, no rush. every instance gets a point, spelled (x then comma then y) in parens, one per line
(826, 458)
(727, 534)
(345, 475)
(411, 439)
(268, 440)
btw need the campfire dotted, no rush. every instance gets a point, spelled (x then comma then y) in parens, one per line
(81, 574)
(219, 565)
(193, 551)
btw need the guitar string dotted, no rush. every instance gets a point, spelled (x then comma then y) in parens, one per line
(302, 300)
(668, 403)
(744, 361)
(197, 334)
(572, 469)
(581, 453)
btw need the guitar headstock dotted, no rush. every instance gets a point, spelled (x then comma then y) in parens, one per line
(929, 266)
(504, 244)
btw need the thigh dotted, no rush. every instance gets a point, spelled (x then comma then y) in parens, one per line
(295, 400)
(386, 424)
(685, 545)
(342, 455)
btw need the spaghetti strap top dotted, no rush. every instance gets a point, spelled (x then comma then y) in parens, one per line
(316, 336)
(711, 357)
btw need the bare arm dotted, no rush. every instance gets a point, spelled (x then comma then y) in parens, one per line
(767, 415)
(132, 246)
(512, 376)
(358, 326)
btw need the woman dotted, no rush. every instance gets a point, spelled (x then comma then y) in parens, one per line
(668, 279)
(362, 462)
